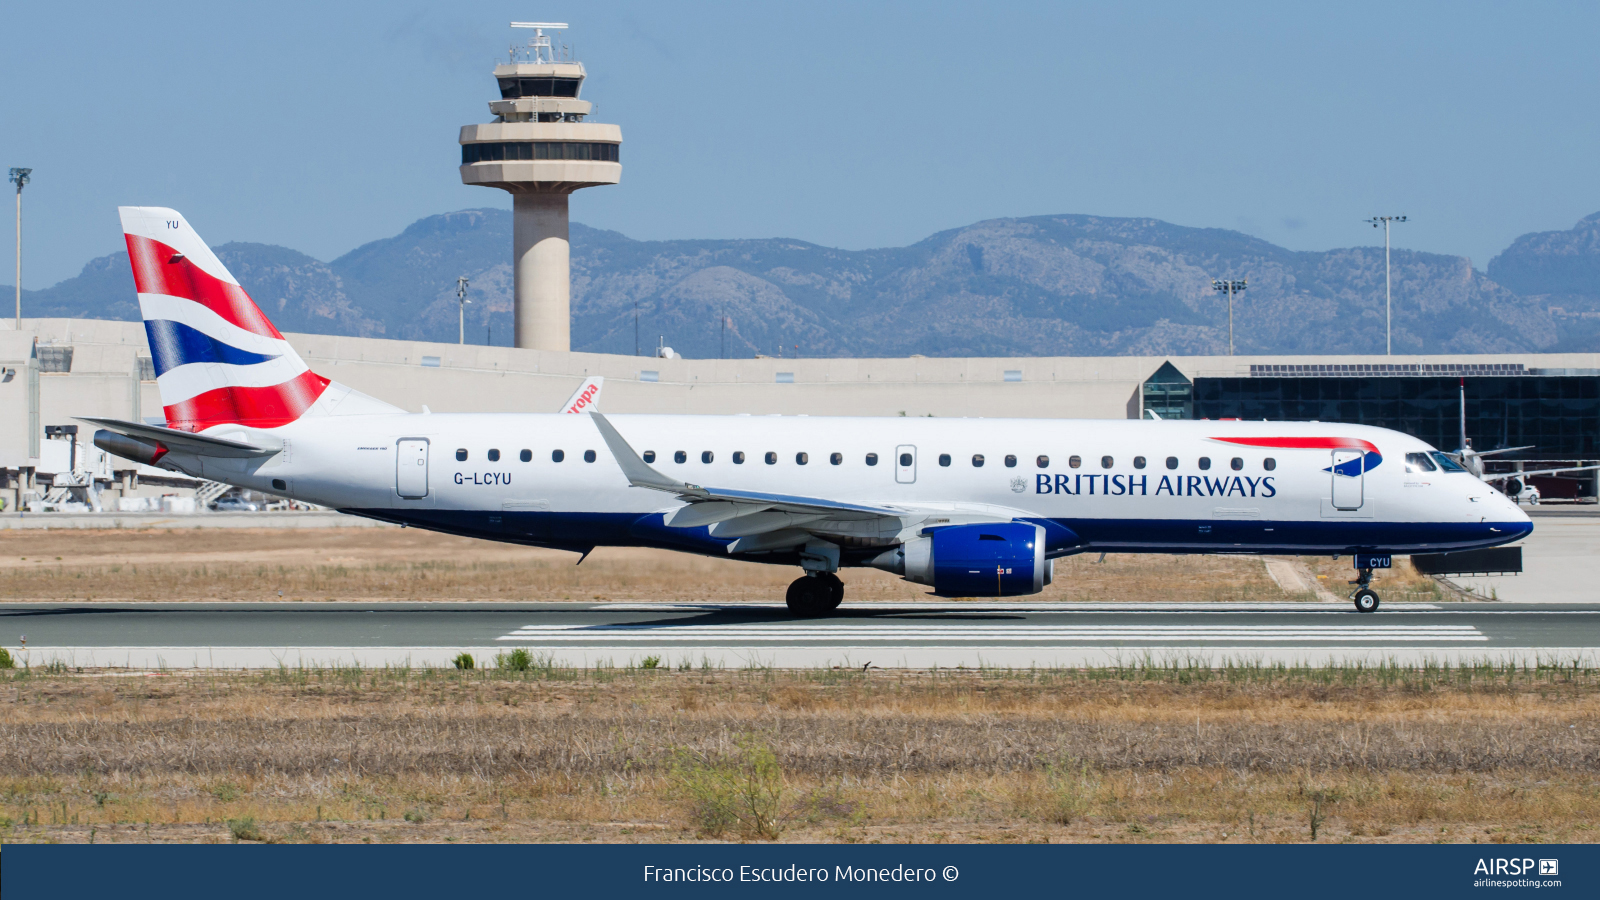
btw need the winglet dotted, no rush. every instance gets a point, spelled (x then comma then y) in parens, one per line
(638, 471)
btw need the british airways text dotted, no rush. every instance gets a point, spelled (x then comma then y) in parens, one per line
(1141, 486)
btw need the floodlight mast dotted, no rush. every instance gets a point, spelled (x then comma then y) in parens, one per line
(19, 177)
(1388, 295)
(1232, 287)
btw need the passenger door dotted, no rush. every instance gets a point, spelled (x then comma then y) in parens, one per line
(905, 464)
(411, 468)
(1348, 476)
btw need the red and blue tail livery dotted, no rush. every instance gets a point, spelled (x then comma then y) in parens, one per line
(218, 360)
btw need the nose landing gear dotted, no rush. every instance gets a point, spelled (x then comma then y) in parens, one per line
(1366, 599)
(815, 595)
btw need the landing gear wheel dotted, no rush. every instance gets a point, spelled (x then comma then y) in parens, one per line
(809, 597)
(835, 589)
(1366, 600)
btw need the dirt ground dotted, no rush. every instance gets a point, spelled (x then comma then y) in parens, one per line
(1135, 755)
(410, 564)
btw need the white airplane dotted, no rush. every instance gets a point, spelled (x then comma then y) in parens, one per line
(974, 508)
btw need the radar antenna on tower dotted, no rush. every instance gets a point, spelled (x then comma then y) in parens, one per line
(538, 49)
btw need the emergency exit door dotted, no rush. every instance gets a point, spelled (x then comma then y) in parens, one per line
(905, 464)
(1347, 479)
(411, 468)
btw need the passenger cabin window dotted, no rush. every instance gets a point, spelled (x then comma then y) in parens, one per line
(525, 456)
(1236, 464)
(461, 455)
(772, 458)
(801, 459)
(1138, 462)
(1205, 463)
(1172, 462)
(1269, 464)
(588, 456)
(836, 458)
(872, 459)
(738, 457)
(706, 456)
(1074, 461)
(557, 455)
(1011, 461)
(494, 456)
(1445, 462)
(1042, 462)
(678, 456)
(649, 456)
(905, 459)
(1107, 462)
(944, 459)
(1419, 462)
(977, 460)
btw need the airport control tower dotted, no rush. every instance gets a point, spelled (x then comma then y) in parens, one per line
(540, 149)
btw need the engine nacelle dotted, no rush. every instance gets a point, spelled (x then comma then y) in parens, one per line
(146, 452)
(989, 560)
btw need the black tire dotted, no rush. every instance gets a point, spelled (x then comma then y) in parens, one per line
(835, 590)
(1366, 600)
(807, 597)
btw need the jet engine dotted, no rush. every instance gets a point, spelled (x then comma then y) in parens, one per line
(988, 560)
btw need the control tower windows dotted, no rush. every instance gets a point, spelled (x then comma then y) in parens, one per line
(502, 151)
(516, 88)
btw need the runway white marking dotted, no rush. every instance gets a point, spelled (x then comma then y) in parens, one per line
(667, 632)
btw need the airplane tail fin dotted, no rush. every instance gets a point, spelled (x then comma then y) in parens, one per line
(218, 360)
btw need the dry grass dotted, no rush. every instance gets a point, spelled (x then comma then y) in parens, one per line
(409, 564)
(1180, 754)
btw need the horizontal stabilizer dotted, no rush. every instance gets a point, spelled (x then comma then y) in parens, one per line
(184, 441)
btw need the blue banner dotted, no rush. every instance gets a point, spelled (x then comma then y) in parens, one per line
(637, 871)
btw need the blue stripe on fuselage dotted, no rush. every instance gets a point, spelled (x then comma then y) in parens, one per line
(174, 344)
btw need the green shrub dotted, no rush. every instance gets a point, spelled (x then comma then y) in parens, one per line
(1071, 789)
(244, 829)
(746, 793)
(6, 662)
(518, 660)
(416, 816)
(464, 661)
(650, 662)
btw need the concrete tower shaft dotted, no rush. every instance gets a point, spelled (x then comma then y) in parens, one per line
(540, 149)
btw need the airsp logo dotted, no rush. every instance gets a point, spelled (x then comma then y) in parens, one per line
(1019, 484)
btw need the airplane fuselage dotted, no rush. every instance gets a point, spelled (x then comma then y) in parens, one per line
(1122, 486)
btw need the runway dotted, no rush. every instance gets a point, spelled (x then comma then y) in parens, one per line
(920, 635)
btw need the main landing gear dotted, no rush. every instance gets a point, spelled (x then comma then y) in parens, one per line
(1366, 599)
(815, 595)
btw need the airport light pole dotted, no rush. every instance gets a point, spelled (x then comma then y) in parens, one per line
(1232, 287)
(1388, 296)
(19, 177)
(461, 295)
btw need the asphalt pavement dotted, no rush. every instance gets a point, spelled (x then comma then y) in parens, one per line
(949, 634)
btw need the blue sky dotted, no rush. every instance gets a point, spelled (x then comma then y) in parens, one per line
(321, 126)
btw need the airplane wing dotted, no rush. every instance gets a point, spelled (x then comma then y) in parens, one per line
(587, 397)
(762, 521)
(183, 441)
(1506, 476)
(1504, 450)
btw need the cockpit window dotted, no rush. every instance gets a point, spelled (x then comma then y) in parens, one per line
(1445, 462)
(1419, 462)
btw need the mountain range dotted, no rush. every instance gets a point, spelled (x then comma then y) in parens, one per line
(1045, 285)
